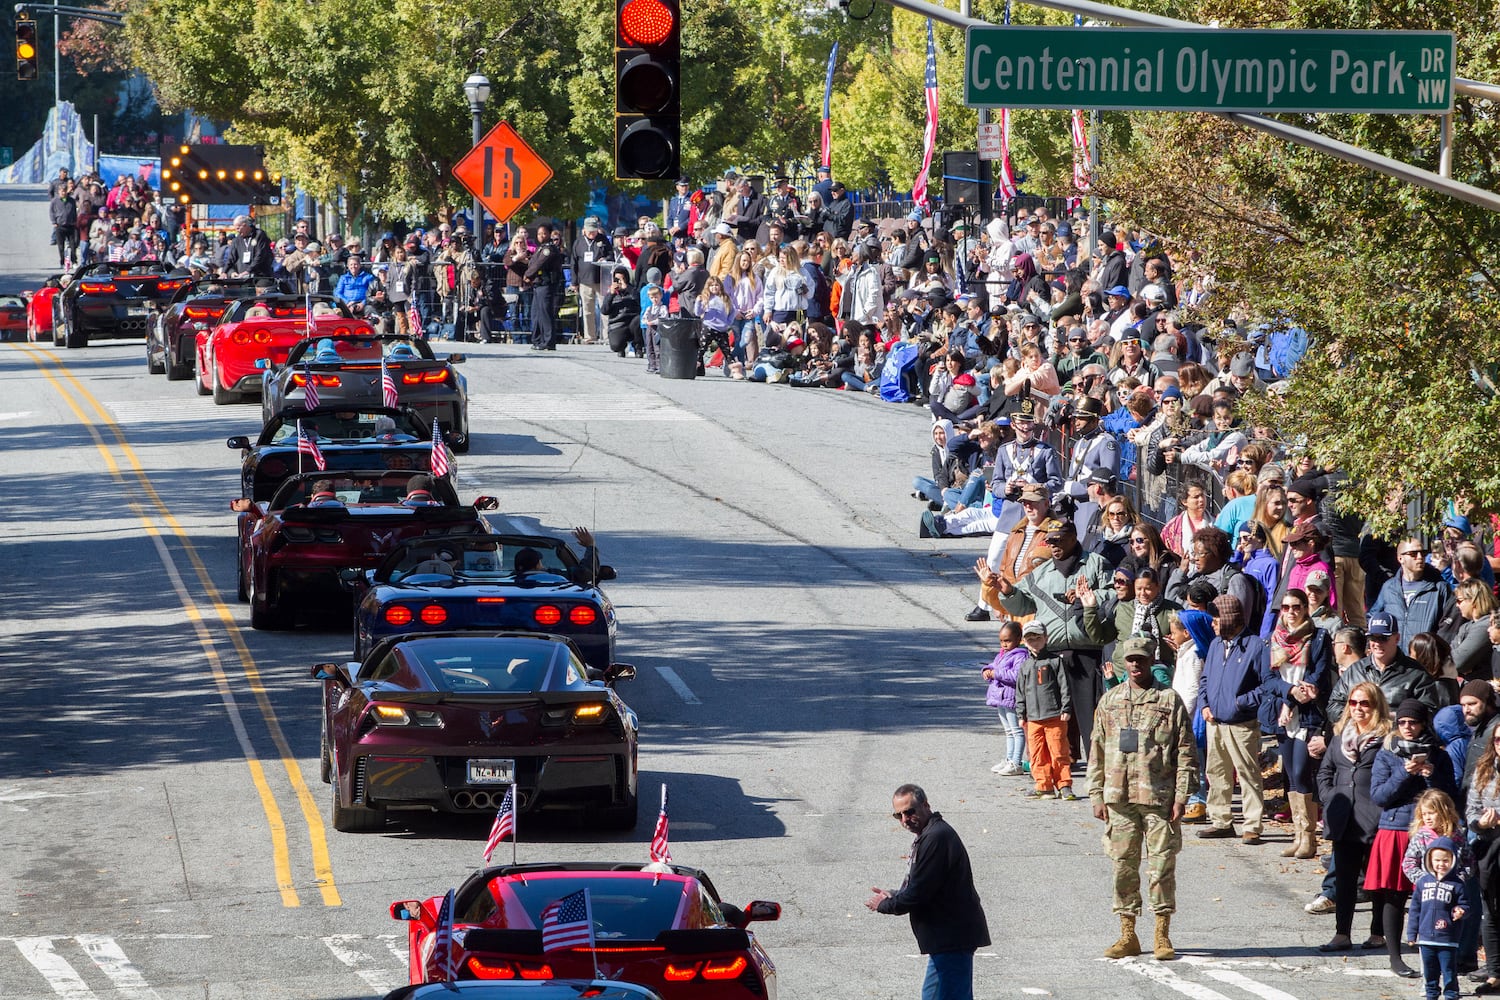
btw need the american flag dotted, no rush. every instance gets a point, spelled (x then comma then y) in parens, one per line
(440, 962)
(309, 389)
(1005, 180)
(659, 849)
(505, 823)
(929, 138)
(388, 396)
(1080, 152)
(439, 463)
(825, 158)
(415, 319)
(309, 447)
(568, 922)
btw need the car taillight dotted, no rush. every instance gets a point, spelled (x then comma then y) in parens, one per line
(489, 600)
(198, 312)
(169, 286)
(490, 970)
(434, 614)
(532, 970)
(328, 381)
(582, 615)
(97, 287)
(724, 970)
(547, 614)
(398, 615)
(431, 378)
(675, 973)
(262, 336)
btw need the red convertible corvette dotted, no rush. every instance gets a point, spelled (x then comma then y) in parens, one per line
(267, 326)
(295, 545)
(658, 926)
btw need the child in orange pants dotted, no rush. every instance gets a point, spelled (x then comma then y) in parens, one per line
(1043, 705)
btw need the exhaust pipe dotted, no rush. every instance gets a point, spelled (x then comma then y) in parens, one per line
(482, 800)
(462, 800)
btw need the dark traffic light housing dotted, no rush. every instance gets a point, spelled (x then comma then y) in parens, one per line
(648, 89)
(28, 56)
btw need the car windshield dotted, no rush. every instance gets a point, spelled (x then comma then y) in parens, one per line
(350, 425)
(355, 349)
(485, 559)
(505, 665)
(387, 489)
(624, 909)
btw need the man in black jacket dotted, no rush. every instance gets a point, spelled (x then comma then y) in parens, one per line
(938, 894)
(249, 251)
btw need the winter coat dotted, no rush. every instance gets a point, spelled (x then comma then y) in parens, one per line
(1396, 791)
(1043, 592)
(1430, 917)
(1234, 675)
(939, 894)
(1278, 692)
(1450, 727)
(1344, 789)
(1002, 686)
(1042, 690)
(1403, 679)
(1424, 610)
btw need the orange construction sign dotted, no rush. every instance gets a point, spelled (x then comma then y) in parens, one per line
(502, 172)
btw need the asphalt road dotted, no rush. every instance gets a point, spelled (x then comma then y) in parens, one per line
(801, 653)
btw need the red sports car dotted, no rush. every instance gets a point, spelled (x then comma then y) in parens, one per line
(658, 926)
(12, 317)
(39, 318)
(266, 326)
(319, 523)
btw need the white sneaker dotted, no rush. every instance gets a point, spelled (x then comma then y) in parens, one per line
(1001, 767)
(1320, 904)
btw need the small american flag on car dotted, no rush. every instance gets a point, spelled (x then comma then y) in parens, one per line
(388, 396)
(439, 464)
(568, 922)
(309, 446)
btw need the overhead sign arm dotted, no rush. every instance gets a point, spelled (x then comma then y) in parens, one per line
(1289, 133)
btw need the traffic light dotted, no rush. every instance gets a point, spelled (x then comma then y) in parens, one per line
(27, 55)
(648, 89)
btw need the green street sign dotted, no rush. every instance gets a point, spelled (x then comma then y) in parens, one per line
(1210, 69)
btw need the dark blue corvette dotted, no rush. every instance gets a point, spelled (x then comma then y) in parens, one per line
(488, 582)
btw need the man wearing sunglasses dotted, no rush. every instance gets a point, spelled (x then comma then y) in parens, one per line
(1415, 597)
(1386, 664)
(939, 896)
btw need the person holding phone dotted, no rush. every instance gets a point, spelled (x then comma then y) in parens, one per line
(1411, 761)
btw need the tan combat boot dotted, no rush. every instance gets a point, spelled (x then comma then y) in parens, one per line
(1128, 944)
(1162, 947)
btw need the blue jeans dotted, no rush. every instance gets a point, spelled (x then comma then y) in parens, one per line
(854, 382)
(1015, 739)
(970, 493)
(950, 976)
(923, 485)
(1440, 971)
(762, 372)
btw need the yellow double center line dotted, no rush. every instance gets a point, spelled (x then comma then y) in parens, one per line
(155, 508)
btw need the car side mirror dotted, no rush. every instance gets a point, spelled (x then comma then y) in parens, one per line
(761, 909)
(263, 364)
(351, 577)
(330, 672)
(406, 909)
(457, 359)
(604, 573)
(238, 443)
(486, 503)
(619, 672)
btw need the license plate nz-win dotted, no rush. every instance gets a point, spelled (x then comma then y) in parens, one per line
(492, 772)
(138, 311)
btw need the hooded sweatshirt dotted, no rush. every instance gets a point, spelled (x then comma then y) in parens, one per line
(1002, 687)
(1437, 909)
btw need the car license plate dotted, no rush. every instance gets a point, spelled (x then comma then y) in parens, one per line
(138, 311)
(492, 772)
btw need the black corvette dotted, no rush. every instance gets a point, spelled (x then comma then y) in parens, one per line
(367, 438)
(111, 300)
(172, 337)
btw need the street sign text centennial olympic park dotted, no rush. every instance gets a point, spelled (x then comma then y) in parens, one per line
(1210, 69)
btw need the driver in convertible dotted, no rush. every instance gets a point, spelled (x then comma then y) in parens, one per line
(323, 495)
(419, 493)
(328, 352)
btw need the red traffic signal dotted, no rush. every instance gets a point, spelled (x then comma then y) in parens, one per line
(648, 98)
(28, 56)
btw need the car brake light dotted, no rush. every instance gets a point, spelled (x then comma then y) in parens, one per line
(398, 614)
(97, 287)
(675, 973)
(342, 331)
(198, 312)
(724, 970)
(531, 970)
(170, 286)
(435, 376)
(262, 336)
(327, 381)
(593, 712)
(547, 614)
(582, 615)
(489, 600)
(490, 970)
(434, 614)
(411, 378)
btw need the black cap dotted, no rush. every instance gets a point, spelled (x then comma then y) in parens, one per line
(684, 180)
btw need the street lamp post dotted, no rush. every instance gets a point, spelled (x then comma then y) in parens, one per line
(477, 90)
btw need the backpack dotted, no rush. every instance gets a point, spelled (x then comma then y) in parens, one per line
(898, 362)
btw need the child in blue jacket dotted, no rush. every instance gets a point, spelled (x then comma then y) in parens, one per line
(1435, 916)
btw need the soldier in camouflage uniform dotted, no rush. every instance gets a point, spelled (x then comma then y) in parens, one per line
(1143, 766)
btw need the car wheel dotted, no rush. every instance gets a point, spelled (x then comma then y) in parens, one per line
(262, 615)
(76, 337)
(178, 372)
(325, 759)
(222, 396)
(462, 447)
(200, 381)
(58, 330)
(153, 366)
(355, 819)
(239, 580)
(622, 817)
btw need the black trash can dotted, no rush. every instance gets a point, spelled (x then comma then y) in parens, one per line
(679, 347)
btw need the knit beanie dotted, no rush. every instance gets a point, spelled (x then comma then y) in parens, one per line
(1481, 690)
(1411, 708)
(1231, 615)
(1306, 487)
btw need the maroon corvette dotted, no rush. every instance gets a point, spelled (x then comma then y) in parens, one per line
(294, 546)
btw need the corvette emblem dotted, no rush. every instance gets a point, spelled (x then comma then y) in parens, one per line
(379, 541)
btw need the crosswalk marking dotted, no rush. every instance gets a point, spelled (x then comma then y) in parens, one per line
(1164, 976)
(169, 410)
(1244, 982)
(110, 958)
(556, 407)
(65, 982)
(346, 948)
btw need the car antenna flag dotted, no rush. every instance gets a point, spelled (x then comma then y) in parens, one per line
(660, 852)
(440, 962)
(388, 395)
(438, 465)
(309, 388)
(568, 923)
(505, 826)
(308, 446)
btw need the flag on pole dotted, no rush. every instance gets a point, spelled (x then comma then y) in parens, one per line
(826, 159)
(505, 823)
(439, 463)
(388, 396)
(309, 447)
(1005, 179)
(568, 923)
(414, 318)
(929, 138)
(1080, 152)
(440, 962)
(309, 388)
(659, 849)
